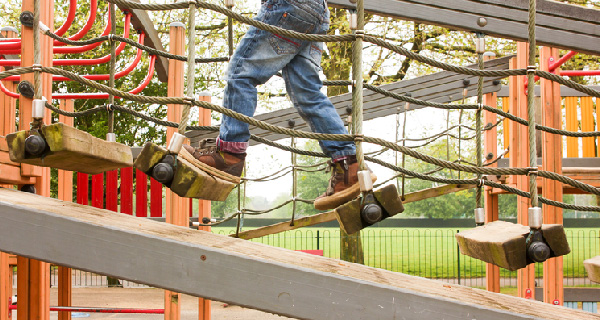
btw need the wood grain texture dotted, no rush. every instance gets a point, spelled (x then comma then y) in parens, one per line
(592, 267)
(72, 149)
(249, 274)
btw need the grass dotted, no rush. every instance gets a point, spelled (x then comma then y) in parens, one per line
(430, 253)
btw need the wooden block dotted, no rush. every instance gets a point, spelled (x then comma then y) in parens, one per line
(191, 178)
(348, 214)
(592, 267)
(504, 244)
(72, 149)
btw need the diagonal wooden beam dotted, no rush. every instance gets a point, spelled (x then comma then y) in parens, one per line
(330, 215)
(242, 272)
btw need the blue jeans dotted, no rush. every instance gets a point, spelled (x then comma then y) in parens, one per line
(261, 54)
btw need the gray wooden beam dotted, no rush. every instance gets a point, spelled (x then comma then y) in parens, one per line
(558, 25)
(249, 274)
(141, 21)
(440, 87)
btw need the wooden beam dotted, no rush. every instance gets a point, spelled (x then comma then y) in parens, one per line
(564, 91)
(245, 273)
(5, 286)
(562, 26)
(330, 215)
(552, 148)
(141, 22)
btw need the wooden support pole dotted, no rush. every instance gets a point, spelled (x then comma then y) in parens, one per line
(520, 158)
(5, 286)
(492, 272)
(33, 287)
(204, 311)
(552, 161)
(65, 192)
(587, 125)
(572, 124)
(177, 208)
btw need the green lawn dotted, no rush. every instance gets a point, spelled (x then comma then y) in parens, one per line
(430, 253)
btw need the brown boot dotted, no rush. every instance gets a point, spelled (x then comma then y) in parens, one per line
(209, 153)
(343, 185)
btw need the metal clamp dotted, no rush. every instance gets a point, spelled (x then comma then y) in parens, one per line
(38, 108)
(229, 3)
(364, 180)
(479, 216)
(532, 171)
(176, 143)
(189, 100)
(531, 69)
(360, 33)
(535, 217)
(359, 138)
(37, 67)
(352, 19)
(111, 137)
(480, 45)
(43, 28)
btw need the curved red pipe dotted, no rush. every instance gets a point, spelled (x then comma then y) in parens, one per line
(70, 17)
(88, 25)
(8, 92)
(96, 77)
(76, 49)
(103, 95)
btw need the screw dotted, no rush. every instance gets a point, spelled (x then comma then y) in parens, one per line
(202, 257)
(482, 22)
(26, 18)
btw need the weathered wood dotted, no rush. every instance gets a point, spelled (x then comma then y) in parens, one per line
(503, 243)
(330, 215)
(71, 149)
(192, 178)
(348, 214)
(10, 174)
(141, 21)
(241, 272)
(592, 267)
(565, 27)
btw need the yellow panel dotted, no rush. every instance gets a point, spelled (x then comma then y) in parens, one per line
(572, 125)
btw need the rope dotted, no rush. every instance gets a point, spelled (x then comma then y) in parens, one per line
(531, 105)
(113, 62)
(357, 88)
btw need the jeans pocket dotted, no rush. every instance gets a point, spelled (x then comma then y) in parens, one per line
(284, 45)
(316, 51)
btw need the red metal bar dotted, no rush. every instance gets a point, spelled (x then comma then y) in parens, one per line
(101, 310)
(70, 17)
(82, 188)
(554, 65)
(127, 190)
(156, 190)
(73, 49)
(112, 190)
(141, 194)
(576, 73)
(98, 190)
(88, 25)
(101, 95)
(8, 92)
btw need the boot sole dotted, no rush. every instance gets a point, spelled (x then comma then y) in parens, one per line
(337, 199)
(208, 169)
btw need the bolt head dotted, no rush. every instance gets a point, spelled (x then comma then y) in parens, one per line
(482, 22)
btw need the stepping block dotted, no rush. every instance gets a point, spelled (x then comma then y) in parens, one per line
(348, 214)
(504, 244)
(592, 267)
(71, 149)
(192, 178)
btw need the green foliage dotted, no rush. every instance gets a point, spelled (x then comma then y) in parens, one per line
(311, 181)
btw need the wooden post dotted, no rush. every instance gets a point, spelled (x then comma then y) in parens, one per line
(520, 158)
(552, 161)
(65, 192)
(492, 272)
(7, 125)
(204, 311)
(587, 125)
(33, 287)
(177, 208)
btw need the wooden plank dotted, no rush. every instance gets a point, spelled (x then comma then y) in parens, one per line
(5, 286)
(72, 149)
(564, 91)
(330, 215)
(141, 21)
(592, 267)
(572, 124)
(10, 174)
(504, 243)
(587, 125)
(516, 29)
(283, 282)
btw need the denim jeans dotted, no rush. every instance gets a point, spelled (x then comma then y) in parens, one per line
(261, 54)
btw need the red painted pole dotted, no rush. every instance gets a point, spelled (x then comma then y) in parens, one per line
(127, 190)
(156, 191)
(112, 194)
(141, 194)
(82, 188)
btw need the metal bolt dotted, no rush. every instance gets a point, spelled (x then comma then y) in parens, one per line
(496, 82)
(490, 156)
(26, 89)
(482, 22)
(203, 257)
(291, 123)
(26, 18)
(28, 188)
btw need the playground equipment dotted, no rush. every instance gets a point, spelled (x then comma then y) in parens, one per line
(300, 305)
(592, 266)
